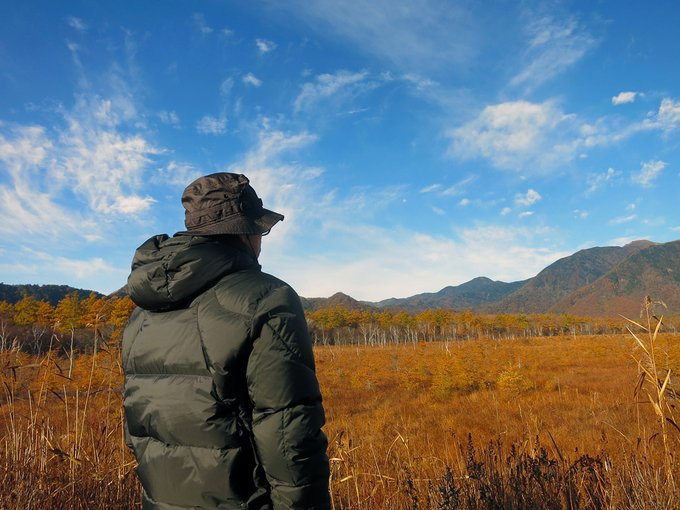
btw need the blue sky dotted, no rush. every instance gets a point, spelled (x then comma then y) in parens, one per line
(410, 144)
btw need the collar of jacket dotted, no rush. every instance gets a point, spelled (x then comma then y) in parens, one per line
(168, 272)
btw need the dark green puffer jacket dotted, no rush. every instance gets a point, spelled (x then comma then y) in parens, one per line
(222, 404)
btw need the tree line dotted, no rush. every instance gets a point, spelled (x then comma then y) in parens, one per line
(338, 325)
(76, 324)
(73, 324)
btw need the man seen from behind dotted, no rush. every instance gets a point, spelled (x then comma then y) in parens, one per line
(222, 404)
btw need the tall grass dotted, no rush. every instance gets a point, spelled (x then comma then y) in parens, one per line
(62, 443)
(655, 383)
(549, 423)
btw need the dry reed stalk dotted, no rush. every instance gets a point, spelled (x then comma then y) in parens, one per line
(654, 379)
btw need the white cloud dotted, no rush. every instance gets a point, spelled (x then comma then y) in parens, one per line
(27, 147)
(597, 181)
(170, 118)
(198, 19)
(499, 253)
(459, 187)
(527, 199)
(177, 174)
(648, 173)
(622, 219)
(666, 119)
(430, 188)
(517, 135)
(622, 241)
(624, 97)
(464, 202)
(284, 186)
(103, 164)
(425, 34)
(420, 82)
(580, 214)
(76, 23)
(525, 214)
(264, 46)
(33, 212)
(132, 204)
(505, 211)
(324, 223)
(554, 46)
(251, 79)
(72, 182)
(668, 116)
(209, 125)
(329, 85)
(66, 270)
(226, 86)
(89, 156)
(438, 211)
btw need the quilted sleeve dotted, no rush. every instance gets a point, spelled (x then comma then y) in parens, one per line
(287, 409)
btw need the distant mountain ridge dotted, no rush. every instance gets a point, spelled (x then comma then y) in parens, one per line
(563, 277)
(469, 295)
(652, 271)
(595, 281)
(336, 300)
(50, 293)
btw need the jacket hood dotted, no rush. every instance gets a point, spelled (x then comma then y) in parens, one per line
(168, 272)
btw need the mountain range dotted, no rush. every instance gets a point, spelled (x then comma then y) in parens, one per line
(598, 281)
(50, 293)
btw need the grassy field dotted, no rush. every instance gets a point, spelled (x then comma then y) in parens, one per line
(552, 422)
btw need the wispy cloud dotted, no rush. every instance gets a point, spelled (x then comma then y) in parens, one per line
(527, 199)
(517, 135)
(507, 254)
(459, 187)
(284, 186)
(624, 97)
(668, 116)
(72, 180)
(76, 23)
(251, 79)
(648, 173)
(209, 125)
(102, 161)
(597, 181)
(622, 219)
(326, 221)
(430, 188)
(411, 34)
(169, 117)
(34, 263)
(554, 46)
(226, 86)
(176, 174)
(265, 46)
(536, 137)
(341, 84)
(199, 22)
